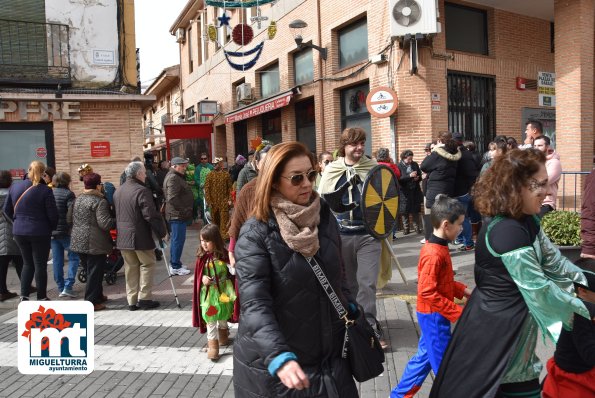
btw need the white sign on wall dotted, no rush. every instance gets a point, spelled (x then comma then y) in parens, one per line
(103, 57)
(546, 87)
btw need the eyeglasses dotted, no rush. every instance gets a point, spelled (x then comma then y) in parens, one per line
(297, 179)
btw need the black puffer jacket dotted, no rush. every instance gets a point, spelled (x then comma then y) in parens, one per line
(284, 309)
(441, 167)
(467, 172)
(8, 247)
(64, 199)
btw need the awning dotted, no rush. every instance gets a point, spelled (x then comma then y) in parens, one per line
(260, 107)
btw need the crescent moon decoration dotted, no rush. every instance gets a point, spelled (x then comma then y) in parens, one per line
(237, 4)
(247, 65)
(242, 34)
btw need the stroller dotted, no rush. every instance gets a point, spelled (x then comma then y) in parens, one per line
(113, 263)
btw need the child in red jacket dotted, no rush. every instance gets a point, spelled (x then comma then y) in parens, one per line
(435, 296)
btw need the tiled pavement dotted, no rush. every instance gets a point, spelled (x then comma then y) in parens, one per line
(157, 353)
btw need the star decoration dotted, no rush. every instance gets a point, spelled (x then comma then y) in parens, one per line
(223, 20)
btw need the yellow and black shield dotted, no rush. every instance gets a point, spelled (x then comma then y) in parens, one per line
(380, 201)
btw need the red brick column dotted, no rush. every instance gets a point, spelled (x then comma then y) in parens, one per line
(574, 57)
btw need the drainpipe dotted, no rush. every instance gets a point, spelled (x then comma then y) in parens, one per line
(321, 82)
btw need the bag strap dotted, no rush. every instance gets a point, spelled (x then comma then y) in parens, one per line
(21, 197)
(328, 289)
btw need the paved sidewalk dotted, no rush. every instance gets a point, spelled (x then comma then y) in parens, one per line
(157, 353)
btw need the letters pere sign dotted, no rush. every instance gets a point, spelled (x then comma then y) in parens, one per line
(59, 110)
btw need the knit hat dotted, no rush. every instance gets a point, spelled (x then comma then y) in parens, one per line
(240, 160)
(91, 180)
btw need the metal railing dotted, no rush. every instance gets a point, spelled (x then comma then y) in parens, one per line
(34, 53)
(569, 195)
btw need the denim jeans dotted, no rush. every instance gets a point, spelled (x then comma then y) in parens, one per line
(178, 238)
(466, 236)
(58, 247)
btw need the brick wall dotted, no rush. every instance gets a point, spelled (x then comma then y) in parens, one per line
(519, 46)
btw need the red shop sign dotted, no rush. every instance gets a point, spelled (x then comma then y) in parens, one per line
(100, 149)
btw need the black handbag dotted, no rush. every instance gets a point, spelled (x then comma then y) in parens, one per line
(360, 346)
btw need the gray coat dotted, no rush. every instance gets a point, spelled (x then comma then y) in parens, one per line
(8, 246)
(137, 217)
(91, 223)
(178, 197)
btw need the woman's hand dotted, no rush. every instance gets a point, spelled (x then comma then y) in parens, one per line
(467, 292)
(206, 280)
(232, 259)
(292, 376)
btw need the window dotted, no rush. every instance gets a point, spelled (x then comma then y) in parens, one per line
(271, 126)
(466, 29)
(354, 112)
(190, 114)
(305, 122)
(353, 44)
(269, 81)
(303, 66)
(190, 51)
(472, 107)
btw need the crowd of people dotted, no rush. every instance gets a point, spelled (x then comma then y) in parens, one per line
(280, 208)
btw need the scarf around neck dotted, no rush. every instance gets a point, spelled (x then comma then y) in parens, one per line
(298, 224)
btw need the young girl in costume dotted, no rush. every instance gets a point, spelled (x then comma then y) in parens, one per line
(214, 293)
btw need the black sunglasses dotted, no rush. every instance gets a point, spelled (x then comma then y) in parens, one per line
(203, 159)
(326, 162)
(297, 179)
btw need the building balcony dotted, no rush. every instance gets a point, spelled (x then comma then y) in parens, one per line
(34, 54)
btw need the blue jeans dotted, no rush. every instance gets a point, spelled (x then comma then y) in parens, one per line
(435, 335)
(178, 238)
(58, 247)
(466, 236)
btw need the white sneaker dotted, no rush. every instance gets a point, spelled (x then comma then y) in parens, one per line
(179, 271)
(423, 241)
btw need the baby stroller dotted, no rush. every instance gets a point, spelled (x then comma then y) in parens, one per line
(113, 263)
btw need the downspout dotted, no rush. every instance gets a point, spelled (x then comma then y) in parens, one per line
(321, 82)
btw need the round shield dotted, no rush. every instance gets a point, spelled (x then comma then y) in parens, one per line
(380, 201)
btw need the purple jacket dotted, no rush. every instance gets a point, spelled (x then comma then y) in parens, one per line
(36, 214)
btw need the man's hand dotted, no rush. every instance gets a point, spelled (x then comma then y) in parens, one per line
(292, 376)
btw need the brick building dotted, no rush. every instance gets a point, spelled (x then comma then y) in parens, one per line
(478, 75)
(68, 88)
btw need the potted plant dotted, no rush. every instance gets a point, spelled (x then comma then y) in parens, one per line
(564, 230)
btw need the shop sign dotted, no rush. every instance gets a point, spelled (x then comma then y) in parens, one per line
(546, 88)
(381, 102)
(41, 152)
(259, 109)
(100, 149)
(58, 110)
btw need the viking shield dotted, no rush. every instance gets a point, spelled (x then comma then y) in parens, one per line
(380, 201)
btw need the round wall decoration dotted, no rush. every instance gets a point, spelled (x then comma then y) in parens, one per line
(242, 34)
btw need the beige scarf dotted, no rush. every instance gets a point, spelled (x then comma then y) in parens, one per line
(298, 224)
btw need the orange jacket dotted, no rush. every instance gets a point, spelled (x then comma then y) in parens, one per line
(436, 287)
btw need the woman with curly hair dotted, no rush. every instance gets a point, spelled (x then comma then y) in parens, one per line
(523, 283)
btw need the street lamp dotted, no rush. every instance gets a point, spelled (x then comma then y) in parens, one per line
(296, 27)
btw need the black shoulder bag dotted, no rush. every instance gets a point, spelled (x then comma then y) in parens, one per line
(361, 346)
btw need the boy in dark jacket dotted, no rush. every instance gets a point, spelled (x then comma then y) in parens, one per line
(435, 296)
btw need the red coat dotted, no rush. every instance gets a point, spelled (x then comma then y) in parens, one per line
(197, 320)
(393, 167)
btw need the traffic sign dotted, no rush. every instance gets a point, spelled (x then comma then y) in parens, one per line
(41, 152)
(382, 102)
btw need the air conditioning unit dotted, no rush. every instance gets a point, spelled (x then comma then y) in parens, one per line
(180, 35)
(408, 17)
(244, 92)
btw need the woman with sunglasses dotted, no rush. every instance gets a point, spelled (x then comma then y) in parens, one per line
(290, 339)
(523, 283)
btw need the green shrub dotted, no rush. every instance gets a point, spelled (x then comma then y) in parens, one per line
(562, 227)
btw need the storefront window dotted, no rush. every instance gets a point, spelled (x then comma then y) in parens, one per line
(271, 126)
(353, 44)
(354, 112)
(303, 65)
(269, 81)
(305, 122)
(27, 142)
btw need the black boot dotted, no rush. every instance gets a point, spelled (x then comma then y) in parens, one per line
(417, 223)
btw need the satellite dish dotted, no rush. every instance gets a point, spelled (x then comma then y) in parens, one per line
(406, 12)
